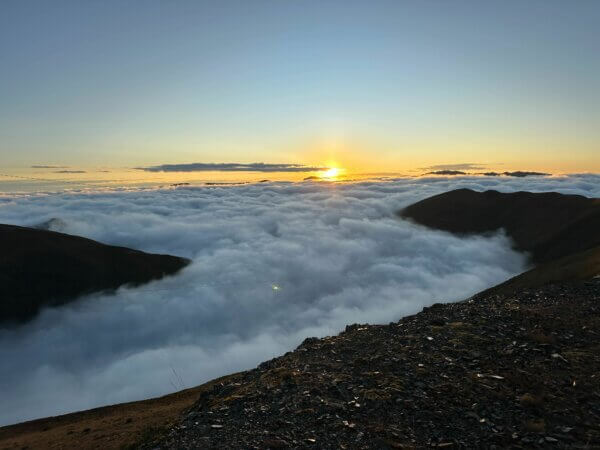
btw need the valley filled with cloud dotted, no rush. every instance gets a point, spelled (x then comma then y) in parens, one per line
(272, 264)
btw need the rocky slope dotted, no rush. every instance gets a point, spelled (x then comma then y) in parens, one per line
(547, 225)
(518, 370)
(41, 268)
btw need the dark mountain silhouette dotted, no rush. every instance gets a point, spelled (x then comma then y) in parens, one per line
(41, 268)
(518, 174)
(523, 174)
(547, 225)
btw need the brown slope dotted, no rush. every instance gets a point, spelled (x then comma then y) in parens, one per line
(41, 268)
(572, 268)
(547, 225)
(109, 427)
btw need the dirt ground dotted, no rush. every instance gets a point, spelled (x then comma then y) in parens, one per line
(110, 427)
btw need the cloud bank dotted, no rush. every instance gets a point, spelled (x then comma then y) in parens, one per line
(335, 251)
(231, 167)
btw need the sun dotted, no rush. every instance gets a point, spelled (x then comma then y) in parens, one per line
(330, 173)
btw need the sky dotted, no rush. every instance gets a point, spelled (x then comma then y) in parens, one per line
(377, 86)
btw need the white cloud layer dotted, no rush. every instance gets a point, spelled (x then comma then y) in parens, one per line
(335, 251)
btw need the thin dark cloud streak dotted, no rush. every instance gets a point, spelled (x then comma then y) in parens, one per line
(232, 167)
(446, 172)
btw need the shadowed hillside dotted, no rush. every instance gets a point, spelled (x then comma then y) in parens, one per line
(43, 268)
(547, 225)
(576, 267)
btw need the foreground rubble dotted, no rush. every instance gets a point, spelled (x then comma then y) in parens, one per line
(520, 371)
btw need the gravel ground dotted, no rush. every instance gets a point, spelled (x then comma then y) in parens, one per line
(518, 370)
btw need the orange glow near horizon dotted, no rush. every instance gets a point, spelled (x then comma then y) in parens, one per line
(333, 172)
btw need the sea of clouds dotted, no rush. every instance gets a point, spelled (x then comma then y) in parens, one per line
(273, 263)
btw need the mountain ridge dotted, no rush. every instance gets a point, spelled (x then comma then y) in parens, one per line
(547, 225)
(42, 268)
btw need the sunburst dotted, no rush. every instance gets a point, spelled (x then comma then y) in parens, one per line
(332, 172)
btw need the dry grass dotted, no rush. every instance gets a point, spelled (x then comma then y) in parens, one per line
(110, 427)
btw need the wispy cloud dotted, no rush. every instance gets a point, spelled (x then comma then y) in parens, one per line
(232, 167)
(457, 166)
(70, 171)
(48, 167)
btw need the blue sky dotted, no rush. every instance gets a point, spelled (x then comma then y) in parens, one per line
(368, 85)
